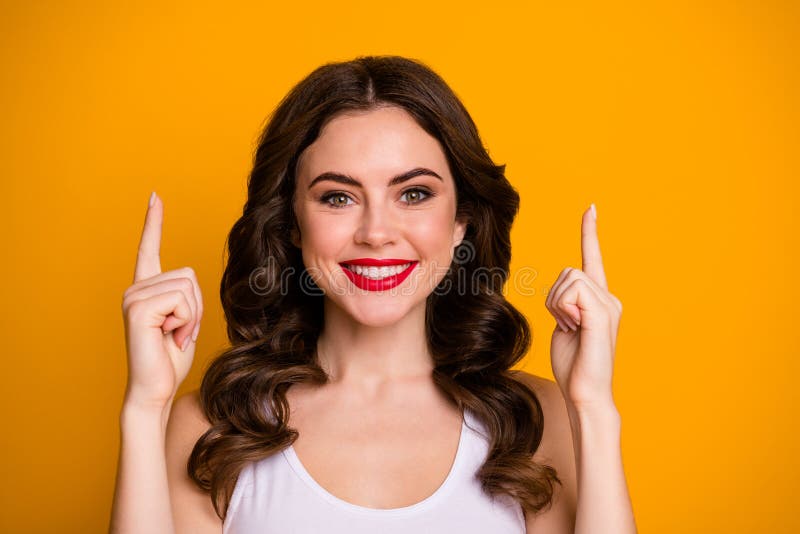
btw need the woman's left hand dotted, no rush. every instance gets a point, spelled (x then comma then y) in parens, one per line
(582, 357)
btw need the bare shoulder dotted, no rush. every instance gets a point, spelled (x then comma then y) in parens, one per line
(557, 451)
(557, 436)
(547, 391)
(187, 415)
(191, 507)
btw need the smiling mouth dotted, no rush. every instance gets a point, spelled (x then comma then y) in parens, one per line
(377, 273)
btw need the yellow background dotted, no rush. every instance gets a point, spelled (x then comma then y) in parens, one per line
(678, 119)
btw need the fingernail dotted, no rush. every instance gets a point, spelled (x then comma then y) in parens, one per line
(594, 212)
(195, 331)
(186, 343)
(152, 198)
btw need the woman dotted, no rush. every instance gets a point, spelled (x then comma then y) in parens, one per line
(368, 386)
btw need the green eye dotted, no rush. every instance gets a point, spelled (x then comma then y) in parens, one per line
(414, 195)
(336, 196)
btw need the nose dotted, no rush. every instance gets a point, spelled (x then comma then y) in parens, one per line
(377, 227)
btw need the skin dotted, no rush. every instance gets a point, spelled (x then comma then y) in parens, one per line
(373, 347)
(582, 358)
(370, 338)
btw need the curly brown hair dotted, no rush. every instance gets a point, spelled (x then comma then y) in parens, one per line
(273, 321)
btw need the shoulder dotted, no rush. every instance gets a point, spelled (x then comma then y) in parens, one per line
(186, 424)
(547, 391)
(192, 509)
(556, 450)
(187, 416)
(557, 436)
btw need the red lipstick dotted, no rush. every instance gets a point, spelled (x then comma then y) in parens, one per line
(382, 284)
(376, 262)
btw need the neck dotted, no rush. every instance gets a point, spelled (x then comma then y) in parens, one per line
(367, 358)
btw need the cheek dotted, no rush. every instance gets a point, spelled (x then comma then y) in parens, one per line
(324, 239)
(435, 234)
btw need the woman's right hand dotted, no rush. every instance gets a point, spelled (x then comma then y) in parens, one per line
(162, 312)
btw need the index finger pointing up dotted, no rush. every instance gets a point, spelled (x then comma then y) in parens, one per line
(148, 262)
(590, 249)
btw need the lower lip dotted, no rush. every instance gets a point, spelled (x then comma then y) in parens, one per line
(379, 285)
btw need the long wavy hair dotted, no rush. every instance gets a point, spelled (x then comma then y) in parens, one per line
(274, 320)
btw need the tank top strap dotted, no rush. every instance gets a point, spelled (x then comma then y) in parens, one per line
(473, 423)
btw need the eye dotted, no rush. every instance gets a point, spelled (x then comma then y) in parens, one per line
(414, 194)
(340, 199)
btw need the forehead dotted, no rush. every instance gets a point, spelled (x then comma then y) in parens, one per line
(374, 144)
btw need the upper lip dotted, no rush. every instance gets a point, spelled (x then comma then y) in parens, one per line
(376, 262)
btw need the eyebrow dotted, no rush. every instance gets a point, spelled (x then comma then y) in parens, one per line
(349, 180)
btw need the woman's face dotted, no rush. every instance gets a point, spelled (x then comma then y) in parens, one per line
(350, 210)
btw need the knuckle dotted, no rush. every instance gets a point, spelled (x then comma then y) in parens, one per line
(136, 309)
(188, 272)
(130, 289)
(186, 284)
(574, 274)
(551, 295)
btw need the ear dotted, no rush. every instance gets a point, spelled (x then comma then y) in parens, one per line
(459, 229)
(294, 236)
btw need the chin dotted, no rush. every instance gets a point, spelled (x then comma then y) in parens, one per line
(378, 316)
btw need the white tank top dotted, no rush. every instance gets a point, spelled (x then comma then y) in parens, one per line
(276, 495)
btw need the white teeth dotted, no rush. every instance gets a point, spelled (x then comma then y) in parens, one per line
(378, 273)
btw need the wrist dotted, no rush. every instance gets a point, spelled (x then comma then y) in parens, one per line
(136, 410)
(136, 421)
(605, 410)
(600, 403)
(142, 402)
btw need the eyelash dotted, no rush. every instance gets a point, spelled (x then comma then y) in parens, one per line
(324, 198)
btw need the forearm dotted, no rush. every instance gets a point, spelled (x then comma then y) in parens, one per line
(604, 505)
(141, 499)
